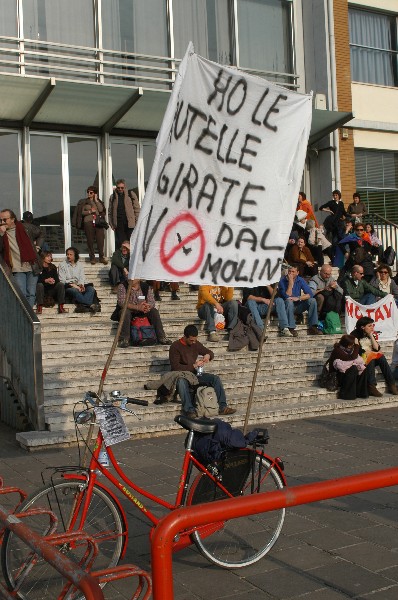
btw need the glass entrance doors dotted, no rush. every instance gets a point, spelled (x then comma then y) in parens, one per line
(47, 189)
(62, 166)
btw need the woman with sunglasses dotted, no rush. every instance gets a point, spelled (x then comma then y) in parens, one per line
(383, 281)
(370, 351)
(357, 250)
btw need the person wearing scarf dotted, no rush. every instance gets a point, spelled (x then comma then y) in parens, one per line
(124, 209)
(351, 371)
(17, 247)
(384, 282)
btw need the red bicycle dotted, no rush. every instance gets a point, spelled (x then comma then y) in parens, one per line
(82, 501)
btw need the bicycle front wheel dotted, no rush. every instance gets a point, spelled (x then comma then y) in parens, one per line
(243, 541)
(34, 578)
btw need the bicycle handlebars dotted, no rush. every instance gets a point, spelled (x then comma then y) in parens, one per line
(113, 397)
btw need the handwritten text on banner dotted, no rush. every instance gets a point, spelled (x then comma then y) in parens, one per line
(222, 193)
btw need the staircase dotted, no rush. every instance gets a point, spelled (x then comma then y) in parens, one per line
(76, 346)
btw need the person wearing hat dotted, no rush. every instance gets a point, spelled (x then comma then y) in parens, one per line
(119, 271)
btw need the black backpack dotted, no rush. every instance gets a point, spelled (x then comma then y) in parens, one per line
(388, 256)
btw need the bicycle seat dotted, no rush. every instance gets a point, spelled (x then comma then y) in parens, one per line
(197, 425)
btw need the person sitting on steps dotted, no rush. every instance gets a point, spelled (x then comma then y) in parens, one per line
(49, 285)
(141, 303)
(370, 352)
(119, 270)
(358, 289)
(298, 297)
(71, 274)
(327, 292)
(216, 299)
(183, 356)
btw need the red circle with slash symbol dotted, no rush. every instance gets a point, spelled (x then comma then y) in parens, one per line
(196, 234)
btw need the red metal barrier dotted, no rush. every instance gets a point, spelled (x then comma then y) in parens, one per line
(183, 518)
(83, 581)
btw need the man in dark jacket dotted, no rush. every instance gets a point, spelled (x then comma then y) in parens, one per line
(358, 289)
(187, 354)
(119, 270)
(335, 222)
(19, 246)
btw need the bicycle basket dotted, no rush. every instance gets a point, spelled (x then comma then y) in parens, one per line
(234, 470)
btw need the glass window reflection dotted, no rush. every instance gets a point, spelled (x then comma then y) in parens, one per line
(70, 22)
(124, 165)
(83, 171)
(207, 24)
(47, 195)
(9, 172)
(265, 35)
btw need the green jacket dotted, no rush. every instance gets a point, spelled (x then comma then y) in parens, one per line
(357, 291)
(120, 261)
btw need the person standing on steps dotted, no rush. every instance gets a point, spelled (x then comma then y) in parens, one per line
(85, 216)
(19, 246)
(187, 354)
(124, 210)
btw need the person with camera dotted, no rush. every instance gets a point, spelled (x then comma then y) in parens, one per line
(89, 215)
(188, 354)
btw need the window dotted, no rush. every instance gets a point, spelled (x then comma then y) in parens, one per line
(70, 22)
(9, 172)
(377, 181)
(207, 24)
(265, 35)
(373, 41)
(57, 21)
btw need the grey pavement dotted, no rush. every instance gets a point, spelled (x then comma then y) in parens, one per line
(341, 548)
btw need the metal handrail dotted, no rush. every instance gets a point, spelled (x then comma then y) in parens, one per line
(169, 67)
(387, 231)
(232, 508)
(20, 355)
(70, 570)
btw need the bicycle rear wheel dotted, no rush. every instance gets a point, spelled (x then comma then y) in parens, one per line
(243, 541)
(104, 523)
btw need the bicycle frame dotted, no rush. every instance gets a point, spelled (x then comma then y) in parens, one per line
(125, 485)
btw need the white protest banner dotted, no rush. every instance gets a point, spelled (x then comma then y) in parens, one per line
(384, 313)
(222, 194)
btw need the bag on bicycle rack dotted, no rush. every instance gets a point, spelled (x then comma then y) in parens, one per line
(206, 401)
(211, 448)
(233, 470)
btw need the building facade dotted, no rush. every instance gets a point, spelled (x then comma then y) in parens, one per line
(373, 29)
(84, 85)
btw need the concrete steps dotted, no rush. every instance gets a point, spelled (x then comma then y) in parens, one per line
(76, 347)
